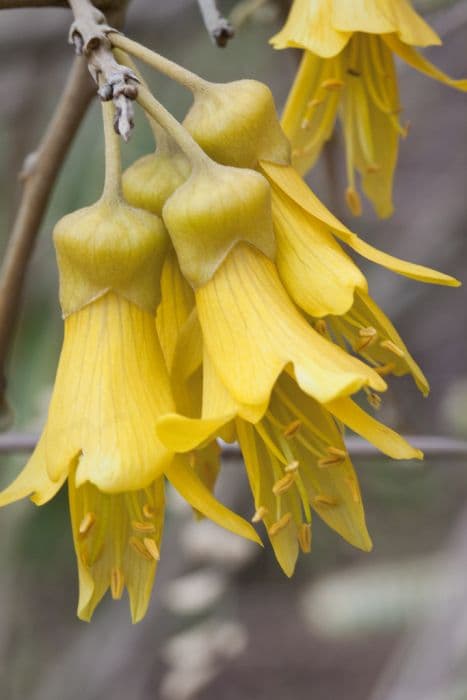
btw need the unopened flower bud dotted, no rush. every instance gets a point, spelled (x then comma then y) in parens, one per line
(216, 208)
(109, 247)
(236, 124)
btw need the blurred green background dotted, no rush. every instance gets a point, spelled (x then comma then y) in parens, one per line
(224, 621)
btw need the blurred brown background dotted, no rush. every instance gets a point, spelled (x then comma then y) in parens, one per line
(224, 621)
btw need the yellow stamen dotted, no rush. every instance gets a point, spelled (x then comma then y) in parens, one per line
(139, 548)
(260, 513)
(374, 168)
(304, 537)
(374, 400)
(148, 511)
(323, 500)
(192, 459)
(117, 582)
(280, 524)
(86, 524)
(142, 527)
(368, 335)
(292, 428)
(152, 548)
(392, 347)
(292, 467)
(283, 485)
(383, 370)
(321, 327)
(353, 201)
(335, 456)
(332, 84)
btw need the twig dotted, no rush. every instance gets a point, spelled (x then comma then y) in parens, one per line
(39, 176)
(220, 30)
(88, 34)
(432, 446)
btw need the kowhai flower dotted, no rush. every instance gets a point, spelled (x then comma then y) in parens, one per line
(111, 387)
(348, 71)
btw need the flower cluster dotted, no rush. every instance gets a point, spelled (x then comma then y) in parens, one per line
(205, 295)
(348, 71)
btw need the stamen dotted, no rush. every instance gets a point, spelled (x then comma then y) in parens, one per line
(353, 489)
(353, 201)
(152, 548)
(280, 524)
(374, 168)
(283, 485)
(260, 513)
(117, 582)
(323, 500)
(292, 467)
(392, 347)
(383, 370)
(367, 332)
(139, 548)
(373, 399)
(335, 456)
(142, 527)
(311, 106)
(292, 428)
(86, 523)
(192, 459)
(148, 511)
(332, 84)
(304, 537)
(321, 327)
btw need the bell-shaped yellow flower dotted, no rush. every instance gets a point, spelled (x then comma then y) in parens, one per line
(111, 387)
(348, 71)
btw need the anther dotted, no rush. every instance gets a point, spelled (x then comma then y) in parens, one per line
(148, 511)
(321, 327)
(283, 485)
(292, 466)
(142, 527)
(152, 548)
(117, 582)
(383, 370)
(260, 513)
(280, 524)
(367, 336)
(373, 168)
(332, 84)
(335, 455)
(292, 428)
(373, 399)
(304, 537)
(392, 347)
(323, 500)
(353, 201)
(139, 548)
(86, 524)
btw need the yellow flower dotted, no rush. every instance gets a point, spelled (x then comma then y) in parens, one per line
(111, 387)
(348, 70)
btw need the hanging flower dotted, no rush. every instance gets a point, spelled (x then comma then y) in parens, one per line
(348, 71)
(111, 387)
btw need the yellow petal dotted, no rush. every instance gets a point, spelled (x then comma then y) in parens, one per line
(385, 439)
(117, 541)
(324, 465)
(383, 17)
(111, 387)
(261, 479)
(252, 330)
(311, 108)
(182, 434)
(177, 302)
(314, 269)
(384, 347)
(34, 480)
(184, 479)
(293, 185)
(420, 63)
(309, 26)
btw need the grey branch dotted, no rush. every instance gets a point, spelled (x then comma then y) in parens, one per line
(39, 173)
(432, 446)
(220, 30)
(88, 34)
